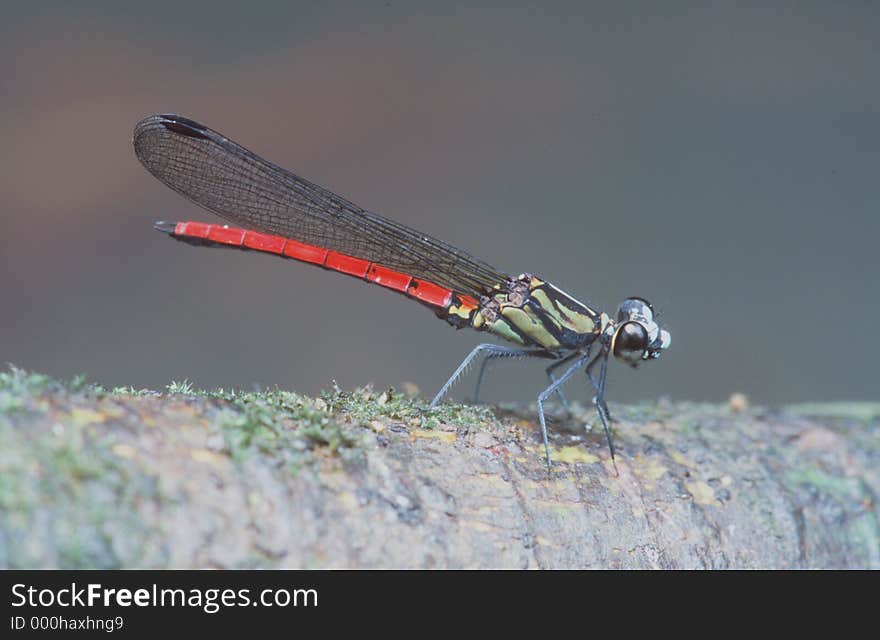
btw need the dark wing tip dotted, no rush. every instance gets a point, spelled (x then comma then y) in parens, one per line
(183, 126)
(165, 227)
(171, 122)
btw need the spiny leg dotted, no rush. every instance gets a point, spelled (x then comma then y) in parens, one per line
(596, 384)
(502, 352)
(493, 350)
(521, 353)
(599, 399)
(546, 393)
(549, 370)
(589, 370)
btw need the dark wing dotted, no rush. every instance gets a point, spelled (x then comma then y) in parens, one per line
(240, 186)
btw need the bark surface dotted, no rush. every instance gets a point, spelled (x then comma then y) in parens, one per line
(99, 479)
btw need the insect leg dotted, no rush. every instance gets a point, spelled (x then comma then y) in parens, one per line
(492, 351)
(506, 352)
(550, 375)
(546, 393)
(599, 399)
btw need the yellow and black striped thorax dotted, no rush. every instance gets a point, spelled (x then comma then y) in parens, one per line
(532, 313)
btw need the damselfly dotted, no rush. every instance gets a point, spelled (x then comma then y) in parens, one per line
(281, 213)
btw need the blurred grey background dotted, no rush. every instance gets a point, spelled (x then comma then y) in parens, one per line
(720, 159)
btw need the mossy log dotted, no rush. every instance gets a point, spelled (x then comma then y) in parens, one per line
(93, 478)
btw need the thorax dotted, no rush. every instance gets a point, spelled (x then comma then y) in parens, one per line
(533, 313)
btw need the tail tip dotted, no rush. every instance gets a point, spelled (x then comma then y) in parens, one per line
(165, 227)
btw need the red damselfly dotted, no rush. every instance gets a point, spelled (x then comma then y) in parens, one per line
(281, 213)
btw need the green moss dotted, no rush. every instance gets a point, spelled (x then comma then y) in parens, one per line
(20, 382)
(66, 500)
(688, 426)
(864, 525)
(641, 412)
(281, 424)
(866, 529)
(18, 387)
(837, 486)
(184, 387)
(10, 403)
(15, 487)
(864, 412)
(131, 391)
(273, 422)
(293, 428)
(365, 405)
(79, 383)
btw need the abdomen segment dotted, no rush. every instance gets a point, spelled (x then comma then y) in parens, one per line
(425, 292)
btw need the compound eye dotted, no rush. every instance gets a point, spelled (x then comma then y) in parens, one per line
(635, 308)
(630, 342)
(644, 302)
